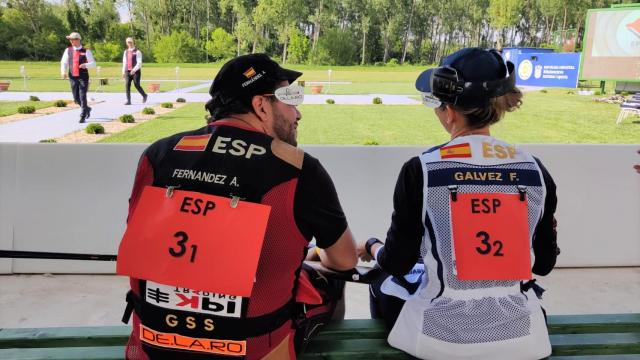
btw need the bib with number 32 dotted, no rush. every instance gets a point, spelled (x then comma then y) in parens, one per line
(490, 234)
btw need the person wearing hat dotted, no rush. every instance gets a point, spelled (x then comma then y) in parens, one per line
(473, 221)
(75, 62)
(132, 69)
(246, 153)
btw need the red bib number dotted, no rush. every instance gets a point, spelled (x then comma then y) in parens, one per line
(194, 240)
(491, 236)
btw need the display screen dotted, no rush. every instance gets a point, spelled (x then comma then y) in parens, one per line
(612, 45)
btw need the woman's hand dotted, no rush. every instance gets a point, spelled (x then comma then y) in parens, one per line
(362, 252)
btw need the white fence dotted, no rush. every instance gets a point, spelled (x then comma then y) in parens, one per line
(74, 198)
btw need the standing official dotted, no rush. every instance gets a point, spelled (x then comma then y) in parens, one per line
(75, 62)
(131, 69)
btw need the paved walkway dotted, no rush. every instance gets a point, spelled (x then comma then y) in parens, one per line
(93, 300)
(109, 106)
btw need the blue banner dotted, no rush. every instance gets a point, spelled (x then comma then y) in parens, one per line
(547, 69)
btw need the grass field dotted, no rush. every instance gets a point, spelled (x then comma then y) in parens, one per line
(45, 76)
(11, 107)
(552, 117)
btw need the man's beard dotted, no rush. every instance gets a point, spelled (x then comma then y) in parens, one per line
(284, 130)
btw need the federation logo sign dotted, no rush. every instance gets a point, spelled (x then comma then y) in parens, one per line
(525, 69)
(249, 73)
(537, 72)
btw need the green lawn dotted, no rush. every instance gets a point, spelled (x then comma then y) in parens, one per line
(553, 117)
(115, 85)
(45, 76)
(11, 107)
(394, 88)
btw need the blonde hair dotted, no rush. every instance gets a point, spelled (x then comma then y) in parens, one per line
(494, 111)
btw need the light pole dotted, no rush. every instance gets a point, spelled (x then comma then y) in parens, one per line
(177, 77)
(329, 87)
(23, 72)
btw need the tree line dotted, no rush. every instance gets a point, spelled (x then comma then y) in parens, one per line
(323, 32)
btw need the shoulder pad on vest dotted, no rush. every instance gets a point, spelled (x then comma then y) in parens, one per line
(287, 153)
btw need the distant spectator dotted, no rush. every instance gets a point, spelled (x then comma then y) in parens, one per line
(75, 61)
(132, 69)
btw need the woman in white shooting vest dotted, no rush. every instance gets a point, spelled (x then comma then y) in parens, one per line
(473, 221)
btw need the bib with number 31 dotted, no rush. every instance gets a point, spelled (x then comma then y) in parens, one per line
(491, 236)
(194, 240)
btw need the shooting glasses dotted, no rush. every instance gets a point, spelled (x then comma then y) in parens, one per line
(290, 95)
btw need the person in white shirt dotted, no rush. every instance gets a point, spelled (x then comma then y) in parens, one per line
(131, 69)
(75, 62)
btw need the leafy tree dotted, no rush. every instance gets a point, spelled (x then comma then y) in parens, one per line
(107, 51)
(222, 45)
(339, 46)
(299, 47)
(176, 48)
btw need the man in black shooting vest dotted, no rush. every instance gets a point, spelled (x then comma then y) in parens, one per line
(75, 62)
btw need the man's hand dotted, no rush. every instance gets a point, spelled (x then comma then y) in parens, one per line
(124, 76)
(63, 76)
(132, 72)
(83, 66)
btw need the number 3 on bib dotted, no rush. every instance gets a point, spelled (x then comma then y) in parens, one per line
(490, 234)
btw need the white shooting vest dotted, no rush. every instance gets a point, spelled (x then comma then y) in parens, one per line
(448, 318)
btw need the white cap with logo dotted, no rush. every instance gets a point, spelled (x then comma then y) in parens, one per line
(74, 35)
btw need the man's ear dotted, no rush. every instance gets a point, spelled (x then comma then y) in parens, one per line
(258, 104)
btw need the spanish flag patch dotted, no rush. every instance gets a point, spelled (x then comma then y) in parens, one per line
(455, 151)
(249, 73)
(193, 143)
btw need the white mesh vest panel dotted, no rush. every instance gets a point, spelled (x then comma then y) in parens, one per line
(463, 314)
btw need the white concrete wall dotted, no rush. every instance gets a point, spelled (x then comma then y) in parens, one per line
(73, 198)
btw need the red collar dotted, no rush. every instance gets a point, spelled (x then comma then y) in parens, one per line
(235, 125)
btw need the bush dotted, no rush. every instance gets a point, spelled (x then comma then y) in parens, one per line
(48, 141)
(393, 62)
(571, 92)
(597, 92)
(179, 47)
(336, 47)
(167, 105)
(94, 129)
(181, 100)
(377, 100)
(34, 98)
(222, 44)
(299, 47)
(126, 118)
(370, 142)
(108, 51)
(27, 109)
(544, 91)
(60, 103)
(624, 93)
(148, 111)
(330, 101)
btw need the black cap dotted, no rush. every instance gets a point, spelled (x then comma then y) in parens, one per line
(485, 72)
(249, 75)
